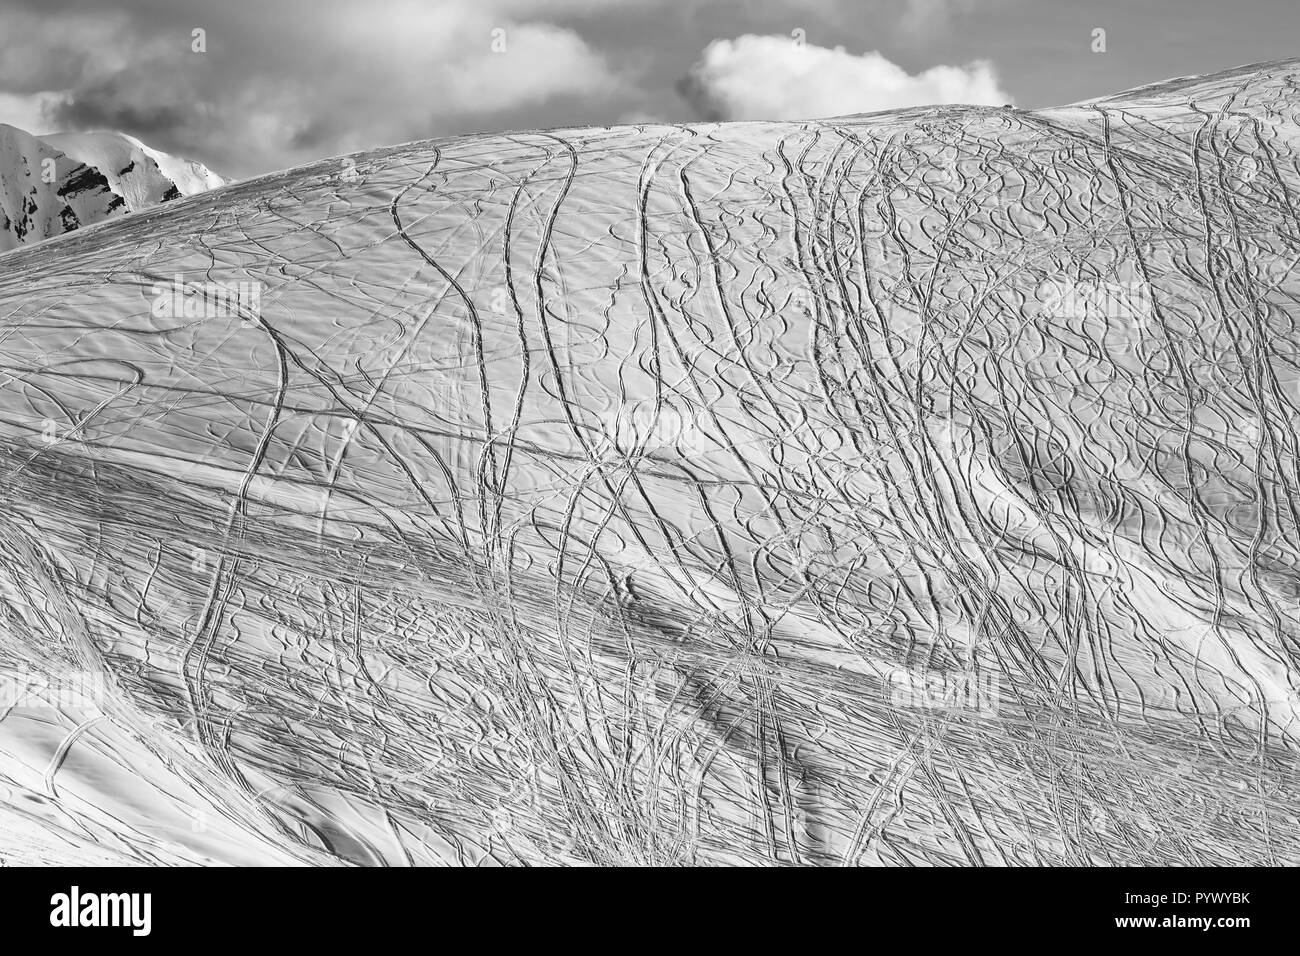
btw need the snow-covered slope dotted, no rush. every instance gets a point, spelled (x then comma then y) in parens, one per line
(913, 488)
(53, 184)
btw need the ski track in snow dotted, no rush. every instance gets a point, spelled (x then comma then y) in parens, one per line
(642, 495)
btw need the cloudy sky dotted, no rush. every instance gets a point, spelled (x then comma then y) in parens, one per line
(282, 82)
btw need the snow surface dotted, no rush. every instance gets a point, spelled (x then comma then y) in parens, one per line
(911, 488)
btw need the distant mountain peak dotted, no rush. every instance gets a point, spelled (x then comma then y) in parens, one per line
(53, 184)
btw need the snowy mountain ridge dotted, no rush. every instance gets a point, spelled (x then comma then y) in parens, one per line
(53, 184)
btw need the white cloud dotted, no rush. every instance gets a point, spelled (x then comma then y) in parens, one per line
(640, 118)
(776, 78)
(273, 90)
(539, 61)
(30, 112)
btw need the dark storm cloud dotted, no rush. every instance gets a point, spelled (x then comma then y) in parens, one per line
(121, 103)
